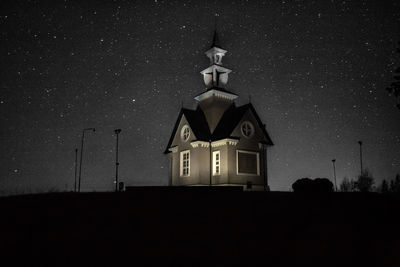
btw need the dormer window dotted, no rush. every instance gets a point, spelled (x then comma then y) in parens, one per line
(185, 133)
(247, 129)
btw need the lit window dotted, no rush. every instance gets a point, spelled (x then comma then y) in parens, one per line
(185, 163)
(216, 163)
(247, 162)
(247, 129)
(185, 133)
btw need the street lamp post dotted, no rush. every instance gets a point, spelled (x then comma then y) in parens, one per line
(334, 173)
(76, 167)
(117, 132)
(361, 160)
(211, 160)
(80, 163)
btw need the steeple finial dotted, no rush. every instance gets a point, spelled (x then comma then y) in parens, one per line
(215, 42)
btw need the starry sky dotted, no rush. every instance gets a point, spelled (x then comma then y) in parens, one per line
(316, 72)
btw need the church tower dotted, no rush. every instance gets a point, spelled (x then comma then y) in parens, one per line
(218, 143)
(216, 99)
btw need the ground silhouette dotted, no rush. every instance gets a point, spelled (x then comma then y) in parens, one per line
(200, 227)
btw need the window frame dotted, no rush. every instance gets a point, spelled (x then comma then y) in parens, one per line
(247, 152)
(184, 128)
(215, 161)
(181, 169)
(251, 127)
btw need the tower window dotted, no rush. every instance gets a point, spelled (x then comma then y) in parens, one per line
(217, 59)
(185, 163)
(185, 133)
(247, 129)
(216, 163)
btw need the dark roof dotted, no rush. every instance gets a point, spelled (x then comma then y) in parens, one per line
(197, 122)
(230, 120)
(225, 127)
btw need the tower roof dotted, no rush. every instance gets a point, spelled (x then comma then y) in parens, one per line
(214, 90)
(215, 42)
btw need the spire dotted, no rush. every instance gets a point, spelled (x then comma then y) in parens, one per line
(215, 75)
(215, 100)
(215, 42)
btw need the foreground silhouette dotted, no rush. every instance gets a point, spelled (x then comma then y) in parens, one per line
(186, 227)
(318, 185)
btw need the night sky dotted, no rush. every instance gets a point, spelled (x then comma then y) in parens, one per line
(316, 72)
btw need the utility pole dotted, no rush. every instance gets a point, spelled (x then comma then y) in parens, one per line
(80, 163)
(117, 132)
(264, 165)
(334, 173)
(210, 163)
(76, 167)
(361, 159)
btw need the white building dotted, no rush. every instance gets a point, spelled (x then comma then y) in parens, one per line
(218, 143)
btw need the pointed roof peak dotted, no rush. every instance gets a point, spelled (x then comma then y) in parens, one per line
(215, 42)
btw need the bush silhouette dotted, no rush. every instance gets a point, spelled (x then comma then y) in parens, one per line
(323, 185)
(303, 185)
(306, 185)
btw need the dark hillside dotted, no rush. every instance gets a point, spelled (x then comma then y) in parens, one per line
(202, 227)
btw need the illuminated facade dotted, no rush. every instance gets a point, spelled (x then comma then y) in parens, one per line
(218, 143)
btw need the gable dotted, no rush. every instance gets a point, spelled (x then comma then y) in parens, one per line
(177, 138)
(266, 138)
(233, 118)
(257, 136)
(197, 123)
(230, 121)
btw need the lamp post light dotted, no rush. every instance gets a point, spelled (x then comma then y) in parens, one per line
(117, 132)
(361, 161)
(80, 163)
(334, 173)
(76, 167)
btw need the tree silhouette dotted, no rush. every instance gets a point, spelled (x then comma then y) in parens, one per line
(395, 185)
(348, 185)
(394, 87)
(365, 182)
(384, 188)
(391, 187)
(345, 186)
